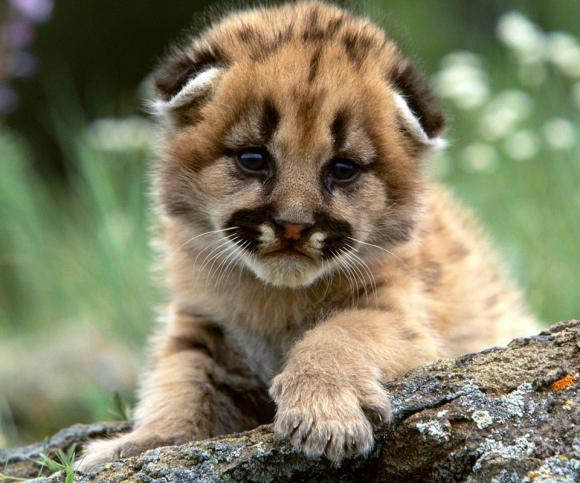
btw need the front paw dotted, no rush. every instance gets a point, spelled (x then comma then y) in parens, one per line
(321, 418)
(131, 444)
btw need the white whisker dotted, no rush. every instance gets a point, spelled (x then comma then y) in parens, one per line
(375, 246)
(219, 245)
(242, 249)
(357, 271)
(186, 242)
(348, 273)
(230, 260)
(367, 269)
(216, 259)
(327, 275)
(212, 247)
(224, 263)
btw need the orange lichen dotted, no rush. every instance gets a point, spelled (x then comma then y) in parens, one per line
(538, 474)
(564, 382)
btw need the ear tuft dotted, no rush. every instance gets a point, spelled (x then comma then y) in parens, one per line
(184, 79)
(191, 94)
(181, 65)
(414, 127)
(417, 105)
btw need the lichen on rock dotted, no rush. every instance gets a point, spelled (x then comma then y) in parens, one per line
(504, 414)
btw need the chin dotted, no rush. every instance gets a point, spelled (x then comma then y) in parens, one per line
(287, 271)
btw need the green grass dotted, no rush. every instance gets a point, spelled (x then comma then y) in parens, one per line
(70, 260)
(80, 256)
(532, 210)
(61, 461)
(64, 461)
(531, 207)
(121, 410)
(77, 256)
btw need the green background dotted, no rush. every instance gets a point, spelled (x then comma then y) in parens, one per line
(77, 293)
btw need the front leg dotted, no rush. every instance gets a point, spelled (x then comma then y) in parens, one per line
(186, 396)
(333, 379)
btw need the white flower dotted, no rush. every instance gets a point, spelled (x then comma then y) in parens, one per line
(559, 133)
(131, 133)
(462, 80)
(564, 52)
(522, 145)
(576, 94)
(461, 58)
(479, 157)
(521, 35)
(504, 112)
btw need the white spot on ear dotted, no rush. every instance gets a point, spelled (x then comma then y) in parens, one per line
(194, 88)
(414, 126)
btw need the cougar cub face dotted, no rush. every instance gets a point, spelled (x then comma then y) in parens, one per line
(288, 139)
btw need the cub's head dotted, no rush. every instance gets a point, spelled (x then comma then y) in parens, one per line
(293, 137)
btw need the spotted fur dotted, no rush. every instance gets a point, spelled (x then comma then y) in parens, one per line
(296, 289)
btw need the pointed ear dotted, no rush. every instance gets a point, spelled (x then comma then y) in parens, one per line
(184, 82)
(419, 114)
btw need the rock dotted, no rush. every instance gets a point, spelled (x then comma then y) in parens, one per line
(504, 414)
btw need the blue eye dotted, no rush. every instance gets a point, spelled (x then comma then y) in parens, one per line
(253, 161)
(343, 170)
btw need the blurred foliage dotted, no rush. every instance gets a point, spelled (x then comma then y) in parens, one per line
(75, 150)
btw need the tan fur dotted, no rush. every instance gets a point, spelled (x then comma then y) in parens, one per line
(416, 281)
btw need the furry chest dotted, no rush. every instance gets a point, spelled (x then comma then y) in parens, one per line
(264, 347)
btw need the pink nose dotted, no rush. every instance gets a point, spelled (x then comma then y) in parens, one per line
(293, 231)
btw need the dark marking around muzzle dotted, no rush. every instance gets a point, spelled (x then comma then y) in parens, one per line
(337, 233)
(248, 221)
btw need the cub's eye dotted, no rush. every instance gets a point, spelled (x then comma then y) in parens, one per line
(253, 161)
(343, 170)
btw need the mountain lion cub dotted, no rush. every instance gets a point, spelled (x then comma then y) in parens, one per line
(307, 257)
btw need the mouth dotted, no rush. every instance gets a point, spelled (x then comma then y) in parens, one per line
(293, 252)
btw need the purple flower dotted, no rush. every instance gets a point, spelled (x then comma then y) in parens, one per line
(35, 10)
(22, 64)
(8, 99)
(18, 33)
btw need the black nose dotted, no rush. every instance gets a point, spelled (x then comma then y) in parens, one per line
(291, 230)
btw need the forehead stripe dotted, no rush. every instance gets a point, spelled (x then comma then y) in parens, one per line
(338, 130)
(314, 63)
(270, 120)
